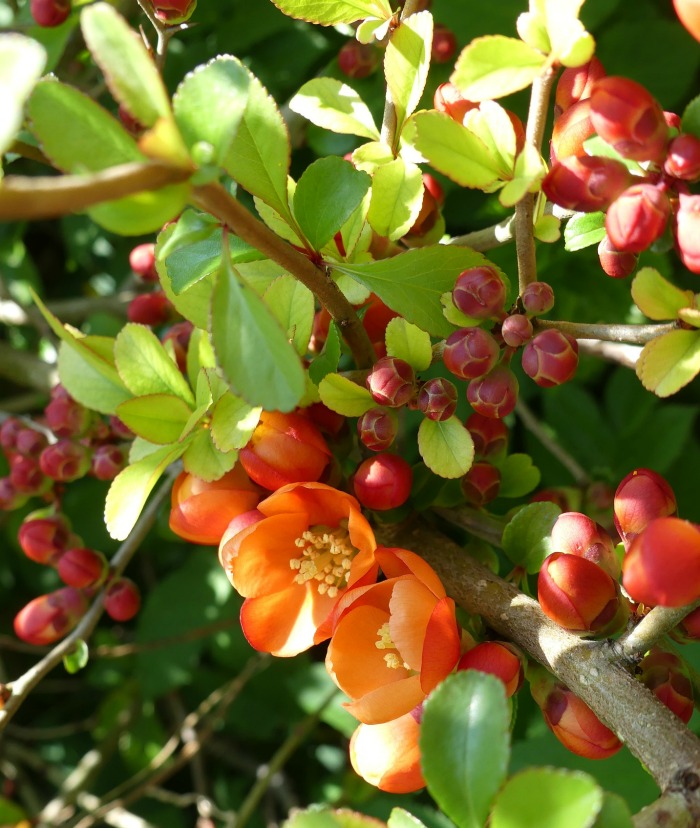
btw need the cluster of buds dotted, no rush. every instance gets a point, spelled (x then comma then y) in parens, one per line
(642, 192)
(153, 307)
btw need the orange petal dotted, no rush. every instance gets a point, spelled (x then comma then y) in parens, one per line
(368, 595)
(321, 503)
(411, 606)
(388, 702)
(387, 755)
(395, 561)
(441, 646)
(203, 518)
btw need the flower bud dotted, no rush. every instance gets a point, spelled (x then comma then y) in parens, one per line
(30, 442)
(9, 430)
(490, 436)
(551, 358)
(122, 599)
(479, 292)
(637, 218)
(498, 658)
(481, 484)
(377, 316)
(537, 298)
(357, 60)
(178, 335)
(689, 627)
(586, 183)
(667, 678)
(516, 330)
(383, 482)
(683, 157)
(391, 382)
(576, 83)
(142, 261)
(449, 99)
(641, 496)
(200, 511)
(495, 394)
(627, 116)
(562, 496)
(329, 421)
(579, 595)
(10, 498)
(65, 461)
(174, 11)
(26, 476)
(687, 231)
(444, 44)
(377, 428)
(67, 418)
(616, 263)
(576, 534)
(470, 353)
(662, 564)
(118, 430)
(49, 13)
(570, 131)
(82, 568)
(284, 448)
(107, 461)
(437, 399)
(433, 186)
(44, 539)
(149, 309)
(427, 216)
(50, 617)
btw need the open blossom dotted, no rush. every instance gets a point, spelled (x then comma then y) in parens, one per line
(387, 755)
(305, 547)
(394, 641)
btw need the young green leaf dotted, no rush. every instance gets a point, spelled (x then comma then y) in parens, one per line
(316, 817)
(398, 818)
(446, 447)
(233, 422)
(528, 171)
(465, 745)
(292, 305)
(158, 418)
(583, 230)
(691, 118)
(494, 66)
(344, 396)
(408, 342)
(334, 105)
(518, 475)
(669, 362)
(548, 798)
(490, 122)
(406, 63)
(527, 535)
(326, 195)
(656, 297)
(332, 12)
(77, 658)
(203, 459)
(22, 60)
(92, 381)
(397, 196)
(251, 348)
(327, 361)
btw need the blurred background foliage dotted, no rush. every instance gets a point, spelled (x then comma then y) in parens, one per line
(144, 677)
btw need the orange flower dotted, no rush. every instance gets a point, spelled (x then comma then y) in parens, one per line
(387, 755)
(201, 511)
(309, 545)
(393, 642)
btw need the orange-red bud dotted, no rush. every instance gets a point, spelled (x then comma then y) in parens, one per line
(667, 678)
(641, 496)
(49, 618)
(576, 534)
(500, 659)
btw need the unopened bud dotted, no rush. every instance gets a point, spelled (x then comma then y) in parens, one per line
(551, 358)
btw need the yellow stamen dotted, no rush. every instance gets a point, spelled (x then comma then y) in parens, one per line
(326, 557)
(384, 642)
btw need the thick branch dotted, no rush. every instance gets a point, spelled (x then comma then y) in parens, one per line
(633, 334)
(215, 200)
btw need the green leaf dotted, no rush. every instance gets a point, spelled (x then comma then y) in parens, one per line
(691, 118)
(406, 63)
(656, 297)
(259, 155)
(527, 535)
(327, 360)
(251, 348)
(233, 422)
(292, 305)
(446, 447)
(129, 70)
(345, 396)
(158, 418)
(398, 818)
(193, 303)
(11, 813)
(143, 213)
(547, 798)
(209, 105)
(614, 813)
(454, 151)
(22, 60)
(397, 196)
(144, 364)
(583, 230)
(191, 251)
(77, 658)
(90, 385)
(669, 362)
(327, 194)
(203, 458)
(332, 12)
(130, 489)
(334, 105)
(494, 66)
(465, 745)
(409, 343)
(518, 476)
(412, 283)
(528, 172)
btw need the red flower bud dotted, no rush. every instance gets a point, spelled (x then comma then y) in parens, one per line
(444, 44)
(470, 353)
(616, 263)
(586, 183)
(687, 231)
(576, 534)
(49, 13)
(67, 418)
(551, 358)
(122, 599)
(579, 595)
(142, 261)
(498, 658)
(427, 216)
(576, 84)
(559, 495)
(108, 461)
(495, 394)
(30, 442)
(383, 482)
(327, 420)
(433, 186)
(537, 298)
(627, 116)
(516, 330)
(449, 99)
(490, 436)
(479, 292)
(284, 448)
(570, 131)
(662, 564)
(10, 498)
(377, 428)
(118, 430)
(43, 539)
(82, 568)
(50, 617)
(667, 678)
(683, 157)
(65, 461)
(178, 335)
(149, 309)
(641, 496)
(26, 476)
(391, 382)
(437, 399)
(637, 218)
(357, 60)
(174, 11)
(9, 430)
(376, 316)
(690, 626)
(481, 484)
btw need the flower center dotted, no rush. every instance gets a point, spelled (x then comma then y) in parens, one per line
(384, 642)
(326, 557)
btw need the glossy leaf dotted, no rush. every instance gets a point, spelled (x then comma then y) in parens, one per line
(526, 537)
(292, 305)
(409, 343)
(465, 745)
(233, 422)
(399, 818)
(583, 230)
(345, 396)
(446, 447)
(518, 475)
(669, 362)
(142, 213)
(327, 360)
(92, 381)
(406, 63)
(334, 105)
(22, 60)
(204, 459)
(528, 172)
(397, 196)
(332, 12)
(158, 418)
(656, 297)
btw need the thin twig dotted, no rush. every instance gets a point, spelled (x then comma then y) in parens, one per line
(651, 629)
(632, 334)
(489, 238)
(618, 352)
